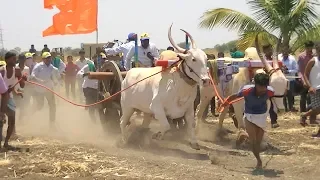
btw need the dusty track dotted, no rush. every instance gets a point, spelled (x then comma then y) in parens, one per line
(80, 150)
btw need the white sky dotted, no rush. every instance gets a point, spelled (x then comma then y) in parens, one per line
(23, 21)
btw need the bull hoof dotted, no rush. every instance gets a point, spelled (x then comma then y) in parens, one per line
(195, 146)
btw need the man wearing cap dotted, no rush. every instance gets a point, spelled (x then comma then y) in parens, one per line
(46, 74)
(90, 86)
(81, 62)
(147, 53)
(124, 48)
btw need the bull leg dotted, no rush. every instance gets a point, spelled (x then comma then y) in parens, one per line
(124, 121)
(160, 115)
(222, 116)
(146, 120)
(191, 123)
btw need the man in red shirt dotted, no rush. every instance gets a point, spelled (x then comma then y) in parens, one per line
(303, 60)
(70, 76)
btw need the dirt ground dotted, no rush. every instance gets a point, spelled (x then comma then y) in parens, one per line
(79, 149)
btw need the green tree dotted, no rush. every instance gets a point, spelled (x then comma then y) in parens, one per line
(226, 46)
(293, 21)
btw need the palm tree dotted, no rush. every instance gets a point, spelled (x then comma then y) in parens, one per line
(293, 21)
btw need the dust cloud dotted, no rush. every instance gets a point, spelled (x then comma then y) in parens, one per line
(73, 125)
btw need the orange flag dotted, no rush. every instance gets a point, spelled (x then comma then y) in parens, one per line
(75, 17)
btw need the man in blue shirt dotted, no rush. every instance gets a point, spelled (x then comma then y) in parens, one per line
(290, 69)
(256, 111)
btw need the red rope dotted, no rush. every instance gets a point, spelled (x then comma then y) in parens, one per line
(99, 102)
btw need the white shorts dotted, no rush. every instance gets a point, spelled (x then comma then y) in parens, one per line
(258, 119)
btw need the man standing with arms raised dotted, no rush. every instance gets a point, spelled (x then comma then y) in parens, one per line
(124, 48)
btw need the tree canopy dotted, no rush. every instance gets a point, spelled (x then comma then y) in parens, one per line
(291, 21)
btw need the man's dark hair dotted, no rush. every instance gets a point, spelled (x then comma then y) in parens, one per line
(220, 55)
(170, 48)
(69, 56)
(309, 44)
(261, 79)
(267, 46)
(9, 55)
(21, 57)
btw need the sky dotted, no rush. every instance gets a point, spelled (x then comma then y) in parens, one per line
(23, 25)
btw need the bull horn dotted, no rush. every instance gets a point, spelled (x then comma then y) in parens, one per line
(276, 59)
(193, 44)
(263, 60)
(173, 43)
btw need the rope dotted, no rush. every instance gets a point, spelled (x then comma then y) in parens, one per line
(220, 109)
(99, 102)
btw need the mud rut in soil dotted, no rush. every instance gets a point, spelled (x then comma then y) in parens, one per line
(79, 149)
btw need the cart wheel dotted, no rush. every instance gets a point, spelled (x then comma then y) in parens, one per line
(110, 111)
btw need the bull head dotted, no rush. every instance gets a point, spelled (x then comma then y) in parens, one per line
(194, 62)
(277, 79)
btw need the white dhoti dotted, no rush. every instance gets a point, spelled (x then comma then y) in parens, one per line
(258, 119)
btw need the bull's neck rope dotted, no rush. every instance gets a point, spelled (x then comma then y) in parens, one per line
(184, 76)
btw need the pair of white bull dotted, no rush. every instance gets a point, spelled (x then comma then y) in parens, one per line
(171, 94)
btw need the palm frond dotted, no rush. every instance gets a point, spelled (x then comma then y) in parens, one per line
(265, 12)
(231, 19)
(312, 34)
(247, 39)
(304, 16)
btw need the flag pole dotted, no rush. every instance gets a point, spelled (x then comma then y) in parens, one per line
(97, 30)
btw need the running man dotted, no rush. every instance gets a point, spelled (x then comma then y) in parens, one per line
(256, 111)
(48, 75)
(9, 74)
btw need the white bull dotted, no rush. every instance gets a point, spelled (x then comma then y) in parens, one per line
(168, 94)
(277, 80)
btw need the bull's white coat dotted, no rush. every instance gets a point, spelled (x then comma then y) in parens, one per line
(167, 94)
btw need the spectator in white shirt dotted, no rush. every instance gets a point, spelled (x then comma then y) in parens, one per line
(124, 48)
(81, 62)
(290, 69)
(48, 75)
(147, 53)
(90, 86)
(24, 103)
